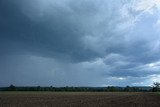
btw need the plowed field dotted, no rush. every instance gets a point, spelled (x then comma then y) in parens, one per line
(78, 99)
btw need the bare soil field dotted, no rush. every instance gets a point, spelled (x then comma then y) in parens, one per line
(79, 99)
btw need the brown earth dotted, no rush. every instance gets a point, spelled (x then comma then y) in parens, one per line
(78, 99)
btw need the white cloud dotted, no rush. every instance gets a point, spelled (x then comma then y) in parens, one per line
(150, 68)
(155, 78)
(138, 84)
(146, 5)
(149, 80)
(133, 11)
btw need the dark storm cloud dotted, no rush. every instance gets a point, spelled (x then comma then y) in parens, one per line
(55, 31)
(52, 35)
(84, 42)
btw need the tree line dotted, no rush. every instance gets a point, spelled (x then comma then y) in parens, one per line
(155, 88)
(76, 89)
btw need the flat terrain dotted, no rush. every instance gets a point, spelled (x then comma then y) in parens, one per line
(78, 99)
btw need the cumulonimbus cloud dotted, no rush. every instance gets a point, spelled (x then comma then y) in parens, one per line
(82, 39)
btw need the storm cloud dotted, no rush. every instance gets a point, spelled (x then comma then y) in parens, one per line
(79, 43)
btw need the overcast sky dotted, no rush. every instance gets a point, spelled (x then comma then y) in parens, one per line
(79, 43)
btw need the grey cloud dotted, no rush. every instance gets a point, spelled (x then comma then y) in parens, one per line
(61, 31)
(54, 33)
(75, 42)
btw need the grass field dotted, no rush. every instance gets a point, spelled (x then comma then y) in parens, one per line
(78, 99)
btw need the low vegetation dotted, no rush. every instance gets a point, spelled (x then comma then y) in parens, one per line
(80, 89)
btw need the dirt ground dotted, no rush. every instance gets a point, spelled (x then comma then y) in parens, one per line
(79, 99)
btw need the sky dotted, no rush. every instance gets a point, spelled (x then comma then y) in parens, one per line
(79, 43)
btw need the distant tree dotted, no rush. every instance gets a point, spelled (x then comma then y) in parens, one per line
(156, 86)
(12, 88)
(38, 88)
(127, 89)
(112, 89)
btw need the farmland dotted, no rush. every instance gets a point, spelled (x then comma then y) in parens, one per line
(79, 99)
